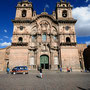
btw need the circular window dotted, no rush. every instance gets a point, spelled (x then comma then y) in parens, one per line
(21, 27)
(67, 28)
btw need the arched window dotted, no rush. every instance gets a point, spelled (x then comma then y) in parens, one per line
(63, 5)
(24, 13)
(55, 37)
(64, 13)
(44, 37)
(33, 38)
(67, 39)
(20, 39)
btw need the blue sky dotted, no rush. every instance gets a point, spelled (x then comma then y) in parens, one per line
(81, 12)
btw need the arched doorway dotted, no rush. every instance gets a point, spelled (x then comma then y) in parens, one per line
(44, 62)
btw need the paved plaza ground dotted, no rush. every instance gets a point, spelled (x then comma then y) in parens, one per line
(52, 80)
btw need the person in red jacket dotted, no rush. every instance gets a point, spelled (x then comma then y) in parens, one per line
(68, 70)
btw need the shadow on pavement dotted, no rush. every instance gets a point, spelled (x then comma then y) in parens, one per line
(38, 76)
(83, 88)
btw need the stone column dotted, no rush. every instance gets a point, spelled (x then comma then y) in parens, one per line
(35, 59)
(51, 59)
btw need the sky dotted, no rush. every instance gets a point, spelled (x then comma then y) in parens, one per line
(80, 11)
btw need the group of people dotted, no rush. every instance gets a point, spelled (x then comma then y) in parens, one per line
(68, 69)
(40, 70)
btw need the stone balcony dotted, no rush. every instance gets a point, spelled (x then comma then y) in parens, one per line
(20, 44)
(68, 44)
(32, 45)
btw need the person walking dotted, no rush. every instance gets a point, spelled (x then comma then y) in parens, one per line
(60, 69)
(40, 72)
(71, 69)
(8, 70)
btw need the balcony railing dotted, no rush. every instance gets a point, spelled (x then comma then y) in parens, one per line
(68, 44)
(20, 44)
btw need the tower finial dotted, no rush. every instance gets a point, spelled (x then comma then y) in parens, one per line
(44, 9)
(61, 0)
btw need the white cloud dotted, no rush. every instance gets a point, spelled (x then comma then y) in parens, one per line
(5, 44)
(11, 38)
(46, 6)
(87, 1)
(88, 42)
(82, 14)
(6, 37)
(5, 31)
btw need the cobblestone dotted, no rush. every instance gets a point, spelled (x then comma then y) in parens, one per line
(52, 80)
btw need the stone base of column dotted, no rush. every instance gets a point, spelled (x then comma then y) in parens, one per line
(54, 67)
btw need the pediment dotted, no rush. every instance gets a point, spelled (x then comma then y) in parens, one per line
(46, 15)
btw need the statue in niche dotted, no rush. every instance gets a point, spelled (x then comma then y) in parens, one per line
(44, 25)
(34, 31)
(54, 31)
(43, 47)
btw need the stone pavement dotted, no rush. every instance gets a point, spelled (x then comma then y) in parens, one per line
(52, 80)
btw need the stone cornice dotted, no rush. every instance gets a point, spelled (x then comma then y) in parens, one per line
(65, 7)
(68, 44)
(20, 44)
(21, 21)
(21, 34)
(67, 20)
(67, 34)
(24, 7)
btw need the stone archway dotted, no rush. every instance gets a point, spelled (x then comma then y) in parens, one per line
(44, 61)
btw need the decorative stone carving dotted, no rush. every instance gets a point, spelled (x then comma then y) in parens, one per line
(54, 31)
(34, 31)
(44, 25)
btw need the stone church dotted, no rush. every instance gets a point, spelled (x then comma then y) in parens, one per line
(47, 41)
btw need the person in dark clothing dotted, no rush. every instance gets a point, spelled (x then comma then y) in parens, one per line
(68, 69)
(41, 72)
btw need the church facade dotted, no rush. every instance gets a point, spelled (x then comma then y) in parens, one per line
(47, 41)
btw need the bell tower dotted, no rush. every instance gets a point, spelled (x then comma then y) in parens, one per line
(24, 9)
(24, 12)
(67, 36)
(63, 9)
